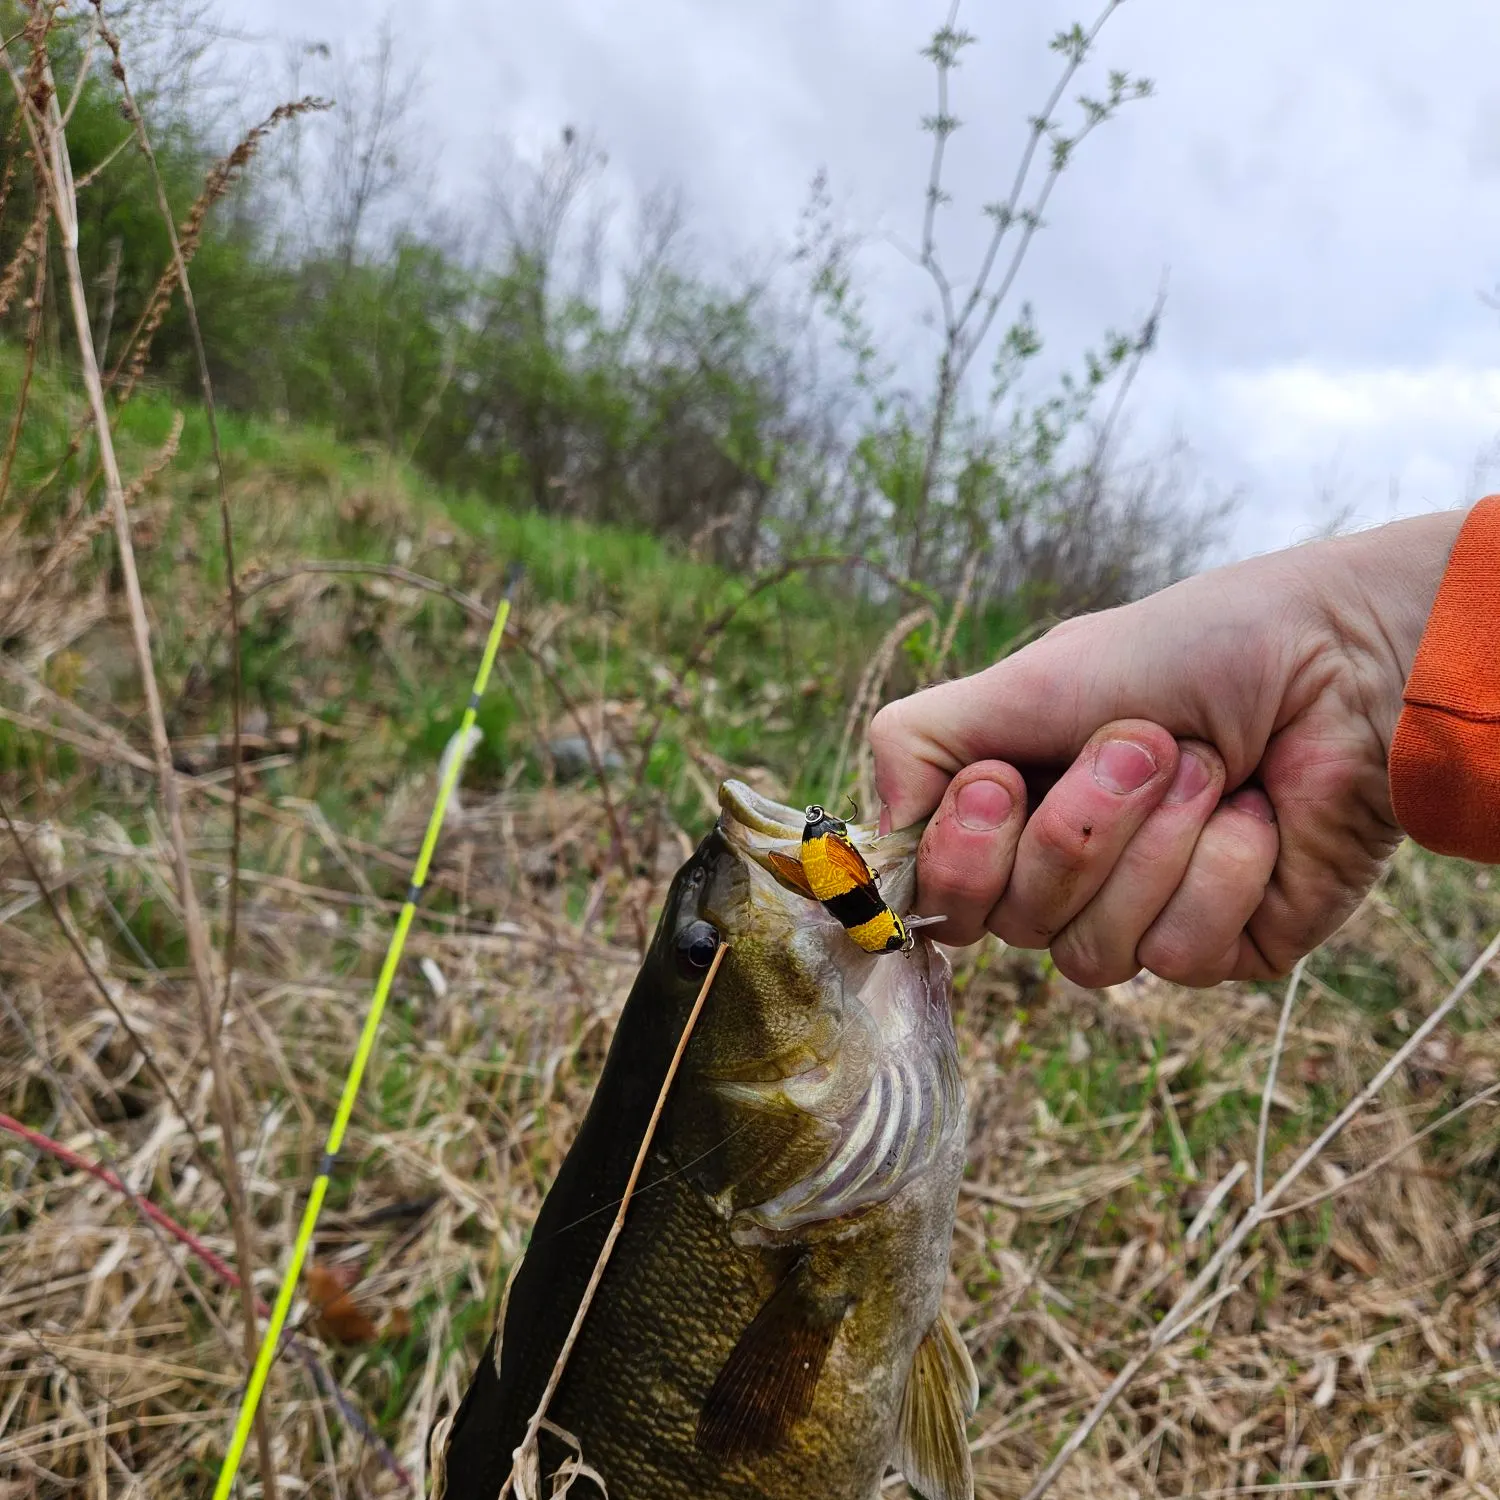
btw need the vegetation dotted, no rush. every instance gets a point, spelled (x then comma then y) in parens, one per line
(726, 567)
(625, 387)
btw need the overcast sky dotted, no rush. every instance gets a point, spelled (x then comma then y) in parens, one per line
(1318, 181)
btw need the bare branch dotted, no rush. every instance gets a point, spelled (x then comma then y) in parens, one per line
(1293, 985)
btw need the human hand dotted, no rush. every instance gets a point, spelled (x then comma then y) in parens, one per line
(1223, 804)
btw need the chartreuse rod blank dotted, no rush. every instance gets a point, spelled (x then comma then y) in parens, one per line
(289, 1281)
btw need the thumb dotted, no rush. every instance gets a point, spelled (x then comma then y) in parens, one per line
(1033, 709)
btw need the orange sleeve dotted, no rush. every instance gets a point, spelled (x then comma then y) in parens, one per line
(1445, 754)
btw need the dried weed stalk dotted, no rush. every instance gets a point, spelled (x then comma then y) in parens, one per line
(524, 1458)
(186, 237)
(1199, 1300)
(46, 129)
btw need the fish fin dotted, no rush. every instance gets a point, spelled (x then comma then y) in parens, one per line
(768, 1381)
(942, 1390)
(790, 869)
(965, 1376)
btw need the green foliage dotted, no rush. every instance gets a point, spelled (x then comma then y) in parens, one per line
(631, 390)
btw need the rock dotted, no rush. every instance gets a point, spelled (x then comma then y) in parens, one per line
(570, 757)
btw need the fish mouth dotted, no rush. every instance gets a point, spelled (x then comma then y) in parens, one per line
(757, 826)
(884, 1086)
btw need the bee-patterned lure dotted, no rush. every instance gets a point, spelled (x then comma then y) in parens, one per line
(834, 872)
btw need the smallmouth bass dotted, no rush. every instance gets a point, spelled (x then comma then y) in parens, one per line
(770, 1323)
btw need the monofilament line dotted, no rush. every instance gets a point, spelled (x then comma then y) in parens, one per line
(614, 1229)
(362, 1052)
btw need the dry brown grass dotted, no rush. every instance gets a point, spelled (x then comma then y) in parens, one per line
(1360, 1347)
(1363, 1346)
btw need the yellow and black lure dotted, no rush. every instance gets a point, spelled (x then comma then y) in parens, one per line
(834, 872)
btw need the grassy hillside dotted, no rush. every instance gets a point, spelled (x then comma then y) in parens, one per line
(619, 616)
(1362, 1339)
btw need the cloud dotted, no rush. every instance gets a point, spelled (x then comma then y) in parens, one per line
(1305, 441)
(1300, 411)
(1321, 183)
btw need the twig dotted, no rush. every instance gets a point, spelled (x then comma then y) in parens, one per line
(867, 694)
(226, 528)
(614, 1229)
(265, 1355)
(51, 147)
(137, 1041)
(221, 1268)
(1011, 212)
(956, 614)
(942, 127)
(716, 627)
(261, 581)
(619, 841)
(33, 339)
(1293, 985)
(1354, 1179)
(1187, 1309)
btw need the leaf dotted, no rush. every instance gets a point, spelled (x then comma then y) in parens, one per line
(339, 1318)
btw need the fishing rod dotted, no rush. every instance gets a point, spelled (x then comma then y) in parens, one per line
(366, 1045)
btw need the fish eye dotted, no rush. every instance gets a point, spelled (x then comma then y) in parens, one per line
(697, 943)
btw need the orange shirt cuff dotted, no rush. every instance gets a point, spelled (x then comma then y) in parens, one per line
(1445, 754)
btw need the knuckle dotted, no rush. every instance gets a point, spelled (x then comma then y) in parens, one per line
(1173, 956)
(953, 880)
(1078, 958)
(1017, 929)
(1064, 842)
(885, 727)
(891, 730)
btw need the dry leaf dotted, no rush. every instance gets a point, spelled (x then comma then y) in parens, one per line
(339, 1318)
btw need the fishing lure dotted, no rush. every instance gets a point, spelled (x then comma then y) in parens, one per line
(834, 872)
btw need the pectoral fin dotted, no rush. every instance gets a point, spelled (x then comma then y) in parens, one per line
(942, 1392)
(768, 1381)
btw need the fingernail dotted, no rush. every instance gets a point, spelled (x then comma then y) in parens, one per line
(1123, 766)
(1192, 778)
(982, 805)
(883, 827)
(1252, 800)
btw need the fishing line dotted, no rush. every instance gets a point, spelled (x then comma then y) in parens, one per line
(657, 1182)
(362, 1053)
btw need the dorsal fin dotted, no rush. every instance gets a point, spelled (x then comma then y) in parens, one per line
(768, 1381)
(942, 1391)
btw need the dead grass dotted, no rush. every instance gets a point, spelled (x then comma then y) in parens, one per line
(1359, 1353)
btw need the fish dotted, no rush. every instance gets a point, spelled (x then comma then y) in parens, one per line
(770, 1324)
